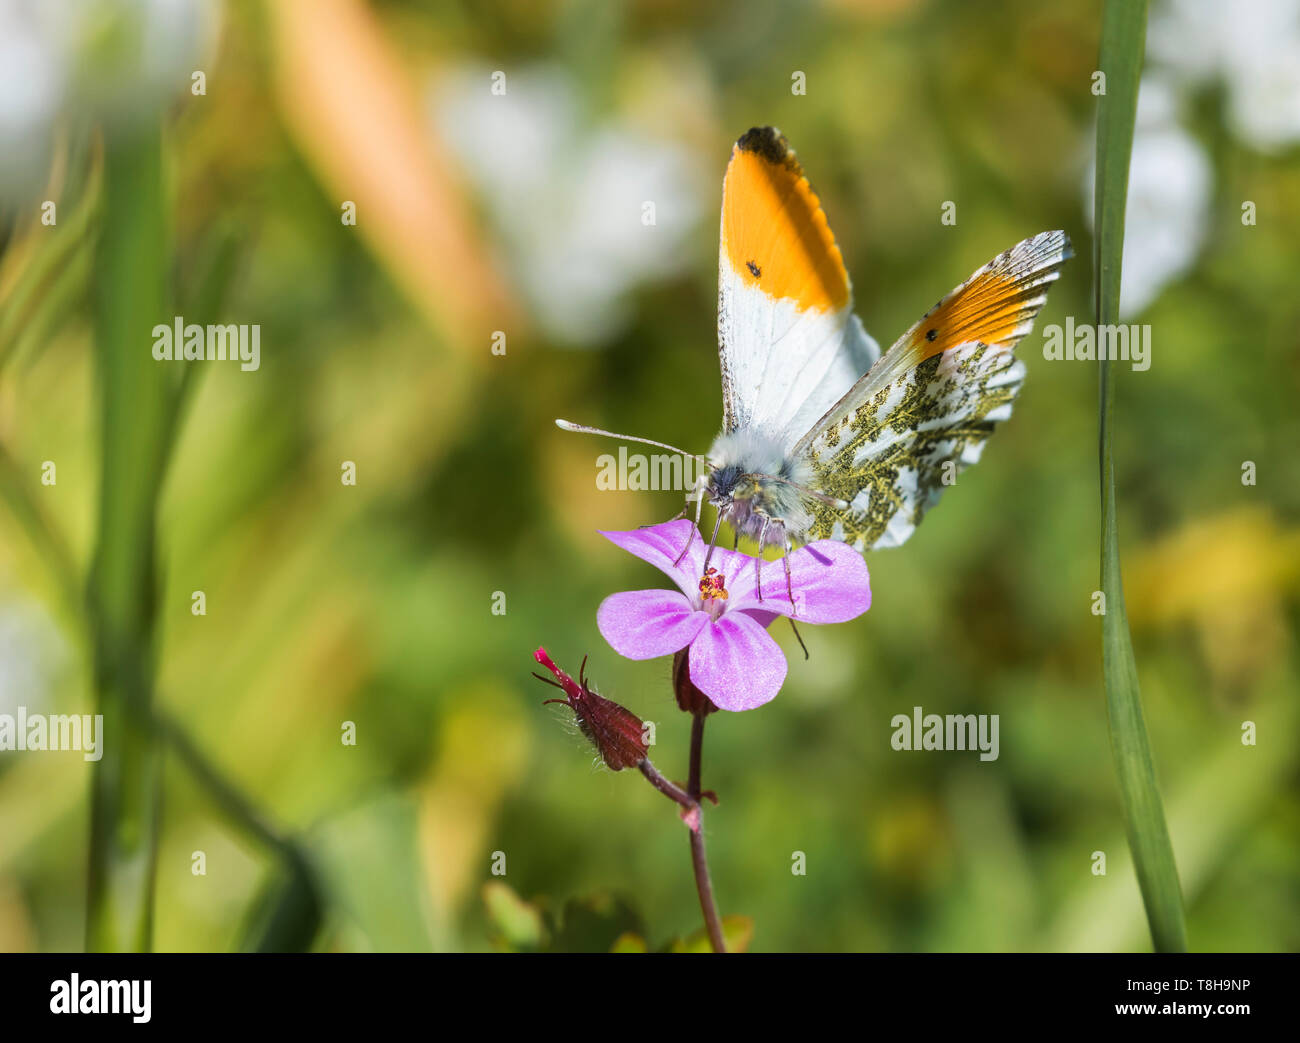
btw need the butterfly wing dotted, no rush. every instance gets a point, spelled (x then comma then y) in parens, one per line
(789, 344)
(924, 411)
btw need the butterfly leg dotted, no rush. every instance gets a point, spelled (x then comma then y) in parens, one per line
(758, 561)
(789, 583)
(689, 536)
(676, 517)
(699, 508)
(798, 637)
(789, 590)
(713, 541)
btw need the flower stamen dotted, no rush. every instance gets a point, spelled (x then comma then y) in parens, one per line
(713, 585)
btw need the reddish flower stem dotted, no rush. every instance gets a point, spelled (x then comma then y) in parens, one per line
(669, 789)
(703, 884)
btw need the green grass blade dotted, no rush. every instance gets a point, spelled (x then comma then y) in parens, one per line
(135, 393)
(1123, 40)
(27, 303)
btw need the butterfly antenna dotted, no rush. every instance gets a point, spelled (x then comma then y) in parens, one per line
(583, 429)
(812, 494)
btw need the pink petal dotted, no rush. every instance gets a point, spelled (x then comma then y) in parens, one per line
(661, 545)
(764, 619)
(829, 580)
(736, 663)
(645, 624)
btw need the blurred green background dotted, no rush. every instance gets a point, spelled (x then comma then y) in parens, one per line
(522, 213)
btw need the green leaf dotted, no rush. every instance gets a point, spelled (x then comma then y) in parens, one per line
(131, 297)
(737, 932)
(629, 942)
(1123, 39)
(520, 925)
(594, 923)
(47, 288)
(288, 912)
(368, 860)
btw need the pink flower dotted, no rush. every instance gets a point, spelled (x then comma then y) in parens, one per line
(733, 659)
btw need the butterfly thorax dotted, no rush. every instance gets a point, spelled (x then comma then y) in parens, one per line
(739, 464)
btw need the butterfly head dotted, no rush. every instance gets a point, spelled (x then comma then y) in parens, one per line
(726, 484)
(755, 484)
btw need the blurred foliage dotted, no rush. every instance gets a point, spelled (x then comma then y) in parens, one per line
(597, 922)
(373, 604)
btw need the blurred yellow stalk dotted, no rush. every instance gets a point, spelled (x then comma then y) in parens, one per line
(353, 111)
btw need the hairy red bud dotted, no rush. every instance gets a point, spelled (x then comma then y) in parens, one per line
(617, 733)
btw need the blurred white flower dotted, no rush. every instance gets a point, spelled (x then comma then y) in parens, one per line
(118, 60)
(567, 199)
(32, 74)
(32, 655)
(1169, 199)
(133, 57)
(1168, 208)
(1252, 47)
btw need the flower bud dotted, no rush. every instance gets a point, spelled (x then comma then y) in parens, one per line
(617, 733)
(689, 698)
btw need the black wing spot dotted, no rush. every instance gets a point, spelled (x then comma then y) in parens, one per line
(931, 334)
(753, 269)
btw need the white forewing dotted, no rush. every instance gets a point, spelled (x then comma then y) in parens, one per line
(788, 343)
(783, 368)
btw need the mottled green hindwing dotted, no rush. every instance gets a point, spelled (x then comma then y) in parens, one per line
(887, 456)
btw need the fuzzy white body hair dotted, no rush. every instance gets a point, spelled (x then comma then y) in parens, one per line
(749, 502)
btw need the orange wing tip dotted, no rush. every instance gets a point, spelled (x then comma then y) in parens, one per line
(776, 237)
(770, 144)
(1038, 251)
(998, 304)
